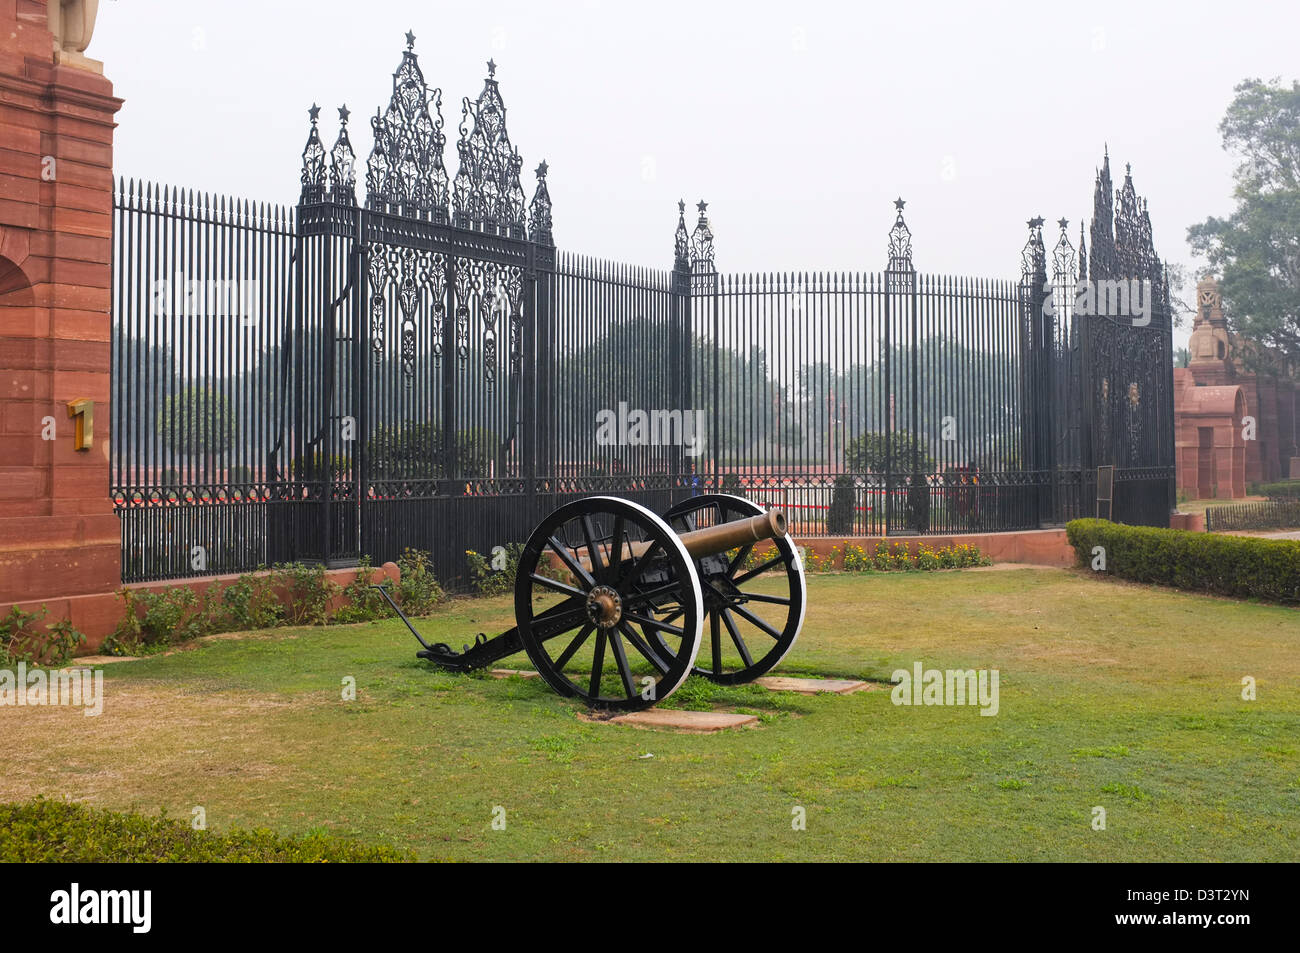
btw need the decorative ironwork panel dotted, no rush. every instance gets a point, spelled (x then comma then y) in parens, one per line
(488, 195)
(405, 172)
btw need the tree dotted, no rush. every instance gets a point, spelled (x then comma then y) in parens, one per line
(413, 451)
(196, 422)
(1257, 248)
(840, 518)
(869, 452)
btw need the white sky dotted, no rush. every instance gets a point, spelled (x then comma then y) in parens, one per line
(799, 123)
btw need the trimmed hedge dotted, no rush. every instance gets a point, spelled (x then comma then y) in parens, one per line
(1286, 490)
(1241, 566)
(42, 831)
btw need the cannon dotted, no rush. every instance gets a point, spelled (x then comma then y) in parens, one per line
(616, 605)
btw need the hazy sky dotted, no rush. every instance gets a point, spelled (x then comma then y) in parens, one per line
(799, 123)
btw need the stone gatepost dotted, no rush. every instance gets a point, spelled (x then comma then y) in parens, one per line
(60, 542)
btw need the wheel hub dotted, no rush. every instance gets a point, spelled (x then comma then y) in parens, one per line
(604, 607)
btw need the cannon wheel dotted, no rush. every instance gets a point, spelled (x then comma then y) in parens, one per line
(760, 640)
(620, 634)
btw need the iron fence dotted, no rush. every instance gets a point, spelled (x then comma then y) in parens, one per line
(425, 370)
(1272, 514)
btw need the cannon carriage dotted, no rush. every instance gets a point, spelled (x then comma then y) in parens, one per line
(616, 605)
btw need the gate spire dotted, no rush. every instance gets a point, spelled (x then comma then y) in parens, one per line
(405, 172)
(540, 210)
(1033, 257)
(488, 196)
(1064, 261)
(681, 240)
(702, 242)
(900, 241)
(313, 163)
(343, 164)
(1103, 224)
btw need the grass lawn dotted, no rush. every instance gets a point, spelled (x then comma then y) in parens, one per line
(1112, 695)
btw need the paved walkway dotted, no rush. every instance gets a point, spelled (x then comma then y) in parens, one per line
(1267, 534)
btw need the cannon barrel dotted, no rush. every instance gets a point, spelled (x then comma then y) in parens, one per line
(710, 540)
(724, 536)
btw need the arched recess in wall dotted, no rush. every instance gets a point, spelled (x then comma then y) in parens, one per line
(17, 301)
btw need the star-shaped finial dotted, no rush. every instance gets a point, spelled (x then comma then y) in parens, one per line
(343, 114)
(1064, 223)
(314, 112)
(410, 40)
(1035, 222)
(541, 170)
(492, 69)
(703, 206)
(681, 206)
(899, 203)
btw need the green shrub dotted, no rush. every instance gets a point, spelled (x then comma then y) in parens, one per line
(1241, 566)
(44, 831)
(731, 484)
(856, 559)
(485, 580)
(839, 521)
(21, 642)
(363, 602)
(880, 558)
(251, 602)
(153, 620)
(1285, 490)
(307, 592)
(418, 591)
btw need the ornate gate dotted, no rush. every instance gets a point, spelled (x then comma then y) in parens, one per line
(426, 301)
(422, 369)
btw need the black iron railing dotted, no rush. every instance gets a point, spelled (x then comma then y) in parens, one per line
(423, 369)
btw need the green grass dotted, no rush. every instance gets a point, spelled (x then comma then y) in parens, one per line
(42, 831)
(1112, 695)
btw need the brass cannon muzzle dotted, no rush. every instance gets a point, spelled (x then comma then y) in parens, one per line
(718, 539)
(710, 540)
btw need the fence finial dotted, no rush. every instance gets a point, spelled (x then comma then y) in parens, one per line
(1033, 257)
(702, 243)
(540, 210)
(681, 240)
(900, 241)
(314, 177)
(343, 164)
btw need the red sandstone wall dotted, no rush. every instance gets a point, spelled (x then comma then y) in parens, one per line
(58, 535)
